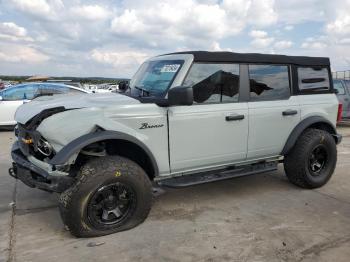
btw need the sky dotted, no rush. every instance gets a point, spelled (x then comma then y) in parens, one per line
(111, 38)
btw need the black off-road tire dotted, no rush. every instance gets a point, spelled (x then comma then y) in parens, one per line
(296, 162)
(96, 174)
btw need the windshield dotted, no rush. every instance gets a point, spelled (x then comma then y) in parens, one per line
(154, 77)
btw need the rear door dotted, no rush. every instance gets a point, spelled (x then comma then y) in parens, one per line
(213, 131)
(273, 112)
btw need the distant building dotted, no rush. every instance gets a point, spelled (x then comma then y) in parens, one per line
(38, 78)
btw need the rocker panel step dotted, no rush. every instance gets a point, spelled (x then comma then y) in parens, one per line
(217, 175)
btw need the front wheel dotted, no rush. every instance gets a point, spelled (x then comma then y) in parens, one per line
(312, 161)
(111, 194)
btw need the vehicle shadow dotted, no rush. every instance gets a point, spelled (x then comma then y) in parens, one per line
(6, 128)
(229, 193)
(40, 209)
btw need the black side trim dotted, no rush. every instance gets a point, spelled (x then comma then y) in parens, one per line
(293, 137)
(217, 175)
(244, 84)
(76, 145)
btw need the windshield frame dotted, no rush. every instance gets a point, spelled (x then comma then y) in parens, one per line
(178, 77)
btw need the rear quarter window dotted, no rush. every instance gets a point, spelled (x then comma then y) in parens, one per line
(313, 79)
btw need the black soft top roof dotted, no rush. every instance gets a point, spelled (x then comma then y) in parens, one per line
(205, 56)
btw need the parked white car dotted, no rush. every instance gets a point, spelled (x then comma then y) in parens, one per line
(15, 96)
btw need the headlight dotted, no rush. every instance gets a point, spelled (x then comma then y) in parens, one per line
(44, 147)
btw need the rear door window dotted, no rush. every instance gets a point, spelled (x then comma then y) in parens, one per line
(49, 90)
(269, 82)
(313, 79)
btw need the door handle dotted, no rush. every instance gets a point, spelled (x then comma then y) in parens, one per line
(234, 117)
(289, 112)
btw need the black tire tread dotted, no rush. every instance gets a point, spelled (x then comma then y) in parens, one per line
(88, 174)
(293, 166)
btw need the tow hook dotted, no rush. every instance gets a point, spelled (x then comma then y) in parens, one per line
(12, 172)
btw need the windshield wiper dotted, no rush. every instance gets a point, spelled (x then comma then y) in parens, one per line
(144, 91)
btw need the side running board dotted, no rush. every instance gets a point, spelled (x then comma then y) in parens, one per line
(217, 175)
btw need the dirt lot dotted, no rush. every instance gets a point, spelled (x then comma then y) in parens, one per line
(255, 218)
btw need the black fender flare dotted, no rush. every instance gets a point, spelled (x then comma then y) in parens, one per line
(79, 143)
(307, 122)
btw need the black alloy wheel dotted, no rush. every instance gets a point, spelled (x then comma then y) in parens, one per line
(111, 204)
(318, 159)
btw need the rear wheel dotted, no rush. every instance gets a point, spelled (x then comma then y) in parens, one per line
(112, 194)
(312, 161)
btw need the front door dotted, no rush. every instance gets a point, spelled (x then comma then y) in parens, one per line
(213, 131)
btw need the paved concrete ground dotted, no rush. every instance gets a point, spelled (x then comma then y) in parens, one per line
(255, 218)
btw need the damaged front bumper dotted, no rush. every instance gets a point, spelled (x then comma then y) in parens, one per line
(35, 176)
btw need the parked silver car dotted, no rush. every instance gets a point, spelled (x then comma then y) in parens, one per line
(343, 94)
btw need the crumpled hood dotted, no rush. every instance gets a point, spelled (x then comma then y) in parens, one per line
(29, 110)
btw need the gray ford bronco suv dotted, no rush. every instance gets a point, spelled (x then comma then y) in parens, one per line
(185, 118)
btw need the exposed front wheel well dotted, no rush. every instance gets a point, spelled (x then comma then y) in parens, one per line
(118, 147)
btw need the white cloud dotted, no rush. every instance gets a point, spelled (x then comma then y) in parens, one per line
(262, 42)
(113, 37)
(118, 58)
(262, 13)
(190, 23)
(288, 27)
(39, 8)
(10, 28)
(19, 53)
(258, 33)
(90, 12)
(261, 39)
(11, 31)
(298, 11)
(127, 23)
(341, 25)
(313, 44)
(344, 41)
(283, 44)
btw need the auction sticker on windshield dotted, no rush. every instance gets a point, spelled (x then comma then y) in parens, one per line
(170, 68)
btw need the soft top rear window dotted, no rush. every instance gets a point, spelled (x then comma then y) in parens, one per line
(313, 79)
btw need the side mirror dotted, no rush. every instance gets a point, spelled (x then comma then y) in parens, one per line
(123, 86)
(1, 98)
(180, 96)
(336, 91)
